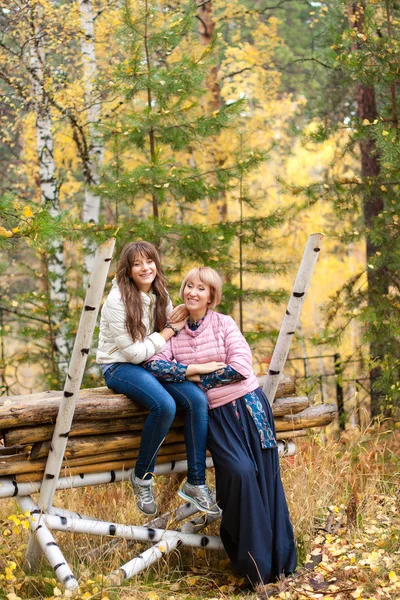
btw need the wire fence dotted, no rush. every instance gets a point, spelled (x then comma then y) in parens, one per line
(329, 379)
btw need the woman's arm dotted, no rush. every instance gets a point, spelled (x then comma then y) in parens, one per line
(140, 350)
(220, 378)
(238, 353)
(168, 370)
(179, 313)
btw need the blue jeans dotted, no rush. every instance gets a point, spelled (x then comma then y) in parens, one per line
(161, 400)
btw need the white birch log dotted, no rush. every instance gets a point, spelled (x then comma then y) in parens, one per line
(108, 528)
(73, 382)
(165, 546)
(49, 190)
(48, 544)
(292, 314)
(183, 511)
(91, 206)
(10, 488)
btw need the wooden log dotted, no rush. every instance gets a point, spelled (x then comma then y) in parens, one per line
(8, 450)
(42, 433)
(178, 448)
(286, 386)
(21, 411)
(287, 406)
(13, 458)
(319, 415)
(30, 466)
(110, 466)
(38, 396)
(288, 435)
(89, 445)
(103, 404)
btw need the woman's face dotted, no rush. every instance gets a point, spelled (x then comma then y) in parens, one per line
(143, 272)
(196, 296)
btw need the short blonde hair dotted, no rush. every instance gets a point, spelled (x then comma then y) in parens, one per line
(209, 277)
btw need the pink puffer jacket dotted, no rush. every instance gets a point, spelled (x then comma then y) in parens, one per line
(218, 338)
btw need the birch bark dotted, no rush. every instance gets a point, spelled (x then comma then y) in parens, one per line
(49, 187)
(91, 206)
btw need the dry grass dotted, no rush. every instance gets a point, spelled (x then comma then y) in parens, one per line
(351, 477)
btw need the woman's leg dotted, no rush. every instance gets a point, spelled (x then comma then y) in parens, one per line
(141, 387)
(194, 402)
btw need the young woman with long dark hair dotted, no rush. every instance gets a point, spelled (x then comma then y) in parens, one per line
(134, 326)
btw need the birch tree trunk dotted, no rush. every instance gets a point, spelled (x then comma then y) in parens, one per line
(49, 187)
(92, 170)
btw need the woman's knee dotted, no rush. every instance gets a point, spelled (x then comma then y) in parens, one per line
(193, 399)
(164, 406)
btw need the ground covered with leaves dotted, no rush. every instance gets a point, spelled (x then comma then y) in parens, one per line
(348, 548)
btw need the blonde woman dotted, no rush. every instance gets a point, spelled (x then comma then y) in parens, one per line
(255, 526)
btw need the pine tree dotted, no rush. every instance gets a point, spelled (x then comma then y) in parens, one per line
(160, 127)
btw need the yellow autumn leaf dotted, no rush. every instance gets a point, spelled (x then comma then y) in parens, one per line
(57, 591)
(393, 577)
(384, 132)
(366, 122)
(5, 233)
(27, 212)
(15, 229)
(192, 580)
(152, 596)
(12, 596)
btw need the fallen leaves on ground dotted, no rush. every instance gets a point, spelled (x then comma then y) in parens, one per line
(361, 562)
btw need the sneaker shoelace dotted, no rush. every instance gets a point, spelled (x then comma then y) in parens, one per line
(146, 493)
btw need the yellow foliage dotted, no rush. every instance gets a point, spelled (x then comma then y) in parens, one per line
(27, 212)
(5, 232)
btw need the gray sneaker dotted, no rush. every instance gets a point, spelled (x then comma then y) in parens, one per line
(144, 496)
(200, 496)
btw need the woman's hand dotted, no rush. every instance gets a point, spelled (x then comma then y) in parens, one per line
(167, 333)
(209, 367)
(204, 369)
(178, 314)
(194, 378)
(180, 324)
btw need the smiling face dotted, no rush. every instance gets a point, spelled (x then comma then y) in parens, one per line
(143, 272)
(197, 297)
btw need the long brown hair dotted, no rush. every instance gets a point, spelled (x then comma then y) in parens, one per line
(131, 294)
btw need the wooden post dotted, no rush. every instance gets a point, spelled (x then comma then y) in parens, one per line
(72, 385)
(292, 315)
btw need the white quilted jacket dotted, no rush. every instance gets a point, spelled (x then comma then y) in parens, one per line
(115, 343)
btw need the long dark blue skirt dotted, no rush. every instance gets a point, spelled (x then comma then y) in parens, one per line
(255, 527)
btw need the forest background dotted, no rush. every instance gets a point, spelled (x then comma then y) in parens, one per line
(226, 133)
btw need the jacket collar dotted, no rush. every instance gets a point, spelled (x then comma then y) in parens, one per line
(203, 325)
